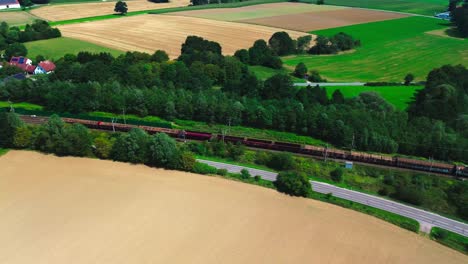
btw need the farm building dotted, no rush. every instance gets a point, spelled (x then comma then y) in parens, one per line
(5, 4)
(25, 64)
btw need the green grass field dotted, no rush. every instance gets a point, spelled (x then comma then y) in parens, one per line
(399, 96)
(422, 7)
(26, 106)
(264, 73)
(56, 48)
(390, 50)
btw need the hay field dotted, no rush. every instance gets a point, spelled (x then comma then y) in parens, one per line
(147, 33)
(76, 210)
(256, 11)
(81, 10)
(323, 20)
(14, 18)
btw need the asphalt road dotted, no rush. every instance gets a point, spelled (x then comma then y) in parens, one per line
(329, 84)
(425, 218)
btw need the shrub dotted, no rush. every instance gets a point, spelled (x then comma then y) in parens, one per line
(301, 70)
(245, 174)
(186, 161)
(103, 146)
(281, 161)
(202, 168)
(314, 76)
(320, 2)
(337, 174)
(257, 178)
(293, 183)
(222, 172)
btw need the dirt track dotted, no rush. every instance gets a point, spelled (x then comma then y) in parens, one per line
(72, 11)
(322, 20)
(148, 33)
(72, 210)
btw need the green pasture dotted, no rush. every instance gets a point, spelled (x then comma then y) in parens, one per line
(399, 96)
(56, 48)
(422, 7)
(390, 50)
(264, 73)
(26, 106)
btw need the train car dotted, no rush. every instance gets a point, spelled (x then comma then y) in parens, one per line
(312, 150)
(336, 153)
(154, 130)
(283, 146)
(232, 139)
(198, 135)
(258, 143)
(424, 165)
(461, 171)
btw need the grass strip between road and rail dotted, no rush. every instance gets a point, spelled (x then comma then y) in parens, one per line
(450, 239)
(3, 151)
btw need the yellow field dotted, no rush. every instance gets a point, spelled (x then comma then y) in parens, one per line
(148, 33)
(16, 17)
(75, 210)
(72, 11)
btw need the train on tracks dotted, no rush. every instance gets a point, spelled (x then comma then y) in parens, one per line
(331, 153)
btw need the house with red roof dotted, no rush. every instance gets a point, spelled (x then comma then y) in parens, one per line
(7, 4)
(45, 67)
(23, 63)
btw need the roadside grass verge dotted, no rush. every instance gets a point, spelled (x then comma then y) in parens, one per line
(421, 7)
(25, 106)
(3, 151)
(390, 50)
(401, 221)
(398, 220)
(450, 239)
(57, 47)
(233, 162)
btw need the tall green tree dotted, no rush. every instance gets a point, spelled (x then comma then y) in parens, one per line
(9, 124)
(293, 183)
(121, 7)
(131, 147)
(162, 151)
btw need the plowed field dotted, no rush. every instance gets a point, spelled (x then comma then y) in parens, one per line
(76, 210)
(323, 20)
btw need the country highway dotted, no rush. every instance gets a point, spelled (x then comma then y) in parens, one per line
(425, 218)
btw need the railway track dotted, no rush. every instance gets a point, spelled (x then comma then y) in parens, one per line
(441, 169)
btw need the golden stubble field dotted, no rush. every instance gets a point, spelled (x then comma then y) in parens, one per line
(78, 210)
(81, 10)
(148, 33)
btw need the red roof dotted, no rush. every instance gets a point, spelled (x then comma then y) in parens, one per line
(48, 66)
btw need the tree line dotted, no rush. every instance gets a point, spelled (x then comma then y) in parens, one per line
(11, 38)
(150, 84)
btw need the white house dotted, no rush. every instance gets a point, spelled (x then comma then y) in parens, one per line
(6, 4)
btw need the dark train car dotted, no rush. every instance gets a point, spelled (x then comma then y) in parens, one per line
(197, 135)
(461, 171)
(232, 139)
(290, 147)
(312, 150)
(154, 130)
(424, 165)
(258, 143)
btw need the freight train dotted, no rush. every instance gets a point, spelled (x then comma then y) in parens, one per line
(324, 152)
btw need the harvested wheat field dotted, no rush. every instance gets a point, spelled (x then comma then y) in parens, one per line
(321, 20)
(148, 33)
(16, 17)
(78, 210)
(257, 11)
(81, 10)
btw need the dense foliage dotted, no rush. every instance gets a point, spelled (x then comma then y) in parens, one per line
(12, 37)
(460, 18)
(337, 43)
(145, 84)
(293, 183)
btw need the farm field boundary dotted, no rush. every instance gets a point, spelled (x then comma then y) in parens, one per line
(149, 33)
(389, 51)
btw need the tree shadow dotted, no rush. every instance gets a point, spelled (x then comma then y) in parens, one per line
(454, 33)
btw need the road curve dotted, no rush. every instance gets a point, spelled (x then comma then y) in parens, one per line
(425, 218)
